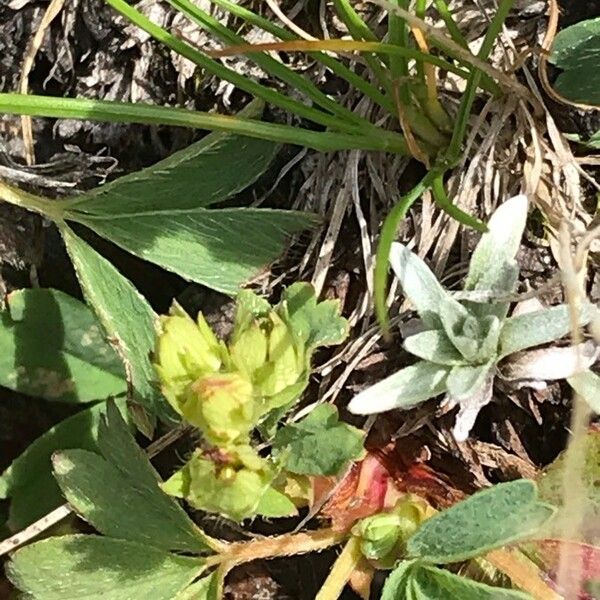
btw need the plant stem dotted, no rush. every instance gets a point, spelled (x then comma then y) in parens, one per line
(494, 29)
(330, 62)
(117, 112)
(212, 66)
(386, 238)
(398, 36)
(270, 65)
(442, 200)
(237, 553)
(38, 204)
(341, 571)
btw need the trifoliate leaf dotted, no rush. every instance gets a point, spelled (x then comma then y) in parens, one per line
(203, 589)
(74, 364)
(315, 323)
(28, 481)
(119, 493)
(406, 388)
(73, 567)
(319, 444)
(576, 50)
(127, 318)
(500, 515)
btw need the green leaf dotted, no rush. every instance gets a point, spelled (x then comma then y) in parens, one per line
(119, 494)
(461, 327)
(74, 364)
(29, 481)
(551, 483)
(592, 142)
(397, 584)
(319, 444)
(421, 286)
(315, 323)
(204, 589)
(500, 515)
(464, 381)
(96, 568)
(539, 327)
(431, 583)
(434, 346)
(220, 248)
(493, 267)
(576, 50)
(406, 388)
(273, 504)
(209, 171)
(125, 315)
(587, 385)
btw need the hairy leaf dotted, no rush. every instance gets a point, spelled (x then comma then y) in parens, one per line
(539, 327)
(397, 583)
(493, 266)
(430, 583)
(96, 568)
(209, 171)
(406, 388)
(434, 346)
(500, 515)
(471, 404)
(319, 444)
(587, 385)
(550, 364)
(74, 364)
(461, 328)
(29, 481)
(125, 315)
(551, 483)
(220, 248)
(119, 493)
(420, 285)
(464, 381)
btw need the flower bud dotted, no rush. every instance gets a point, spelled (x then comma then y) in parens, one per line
(285, 365)
(184, 352)
(222, 405)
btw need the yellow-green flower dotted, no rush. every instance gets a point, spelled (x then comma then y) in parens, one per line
(185, 351)
(222, 405)
(232, 486)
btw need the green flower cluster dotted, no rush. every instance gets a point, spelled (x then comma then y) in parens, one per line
(227, 389)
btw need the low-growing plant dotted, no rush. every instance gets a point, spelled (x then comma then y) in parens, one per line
(147, 545)
(230, 391)
(468, 340)
(165, 214)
